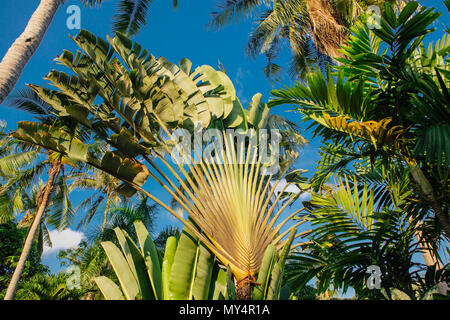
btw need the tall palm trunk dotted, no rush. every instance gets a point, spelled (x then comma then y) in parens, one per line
(105, 217)
(23, 48)
(54, 171)
(427, 251)
(428, 194)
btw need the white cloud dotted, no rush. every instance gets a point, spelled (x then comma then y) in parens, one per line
(305, 196)
(238, 81)
(62, 240)
(292, 188)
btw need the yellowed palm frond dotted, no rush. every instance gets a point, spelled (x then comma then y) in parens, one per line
(377, 131)
(233, 202)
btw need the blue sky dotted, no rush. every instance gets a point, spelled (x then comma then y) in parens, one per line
(173, 34)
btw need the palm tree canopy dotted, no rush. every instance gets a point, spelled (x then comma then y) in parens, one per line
(314, 30)
(137, 120)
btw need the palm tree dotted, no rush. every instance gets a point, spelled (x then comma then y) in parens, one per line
(148, 105)
(131, 16)
(391, 122)
(20, 174)
(104, 191)
(124, 216)
(129, 19)
(375, 122)
(313, 29)
(32, 201)
(55, 168)
(350, 235)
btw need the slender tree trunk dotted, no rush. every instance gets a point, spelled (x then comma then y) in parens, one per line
(427, 250)
(431, 260)
(54, 171)
(429, 196)
(105, 217)
(23, 48)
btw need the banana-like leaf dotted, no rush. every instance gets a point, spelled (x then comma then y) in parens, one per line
(151, 257)
(236, 118)
(136, 263)
(271, 271)
(138, 97)
(109, 289)
(169, 257)
(203, 274)
(58, 140)
(278, 270)
(231, 288)
(127, 280)
(275, 278)
(51, 138)
(124, 169)
(265, 271)
(218, 289)
(184, 266)
(175, 94)
(201, 278)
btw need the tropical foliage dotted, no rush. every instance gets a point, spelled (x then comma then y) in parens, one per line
(158, 98)
(383, 114)
(10, 249)
(350, 235)
(130, 17)
(89, 257)
(123, 133)
(313, 30)
(186, 270)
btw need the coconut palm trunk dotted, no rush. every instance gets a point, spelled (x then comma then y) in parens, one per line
(54, 171)
(106, 214)
(21, 51)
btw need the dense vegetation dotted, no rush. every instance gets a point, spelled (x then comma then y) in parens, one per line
(376, 97)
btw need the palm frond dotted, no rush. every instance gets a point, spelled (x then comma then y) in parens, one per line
(239, 230)
(16, 161)
(27, 100)
(62, 212)
(131, 16)
(230, 10)
(92, 3)
(94, 202)
(342, 247)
